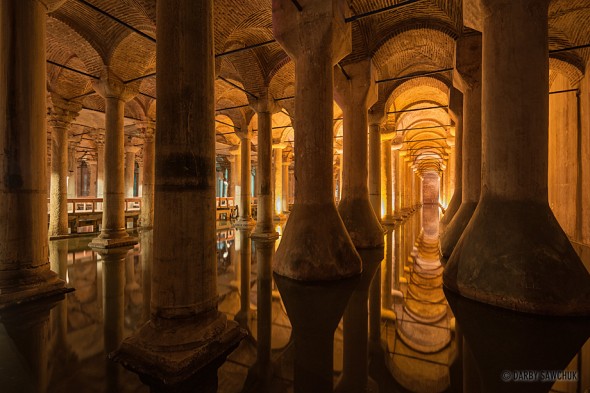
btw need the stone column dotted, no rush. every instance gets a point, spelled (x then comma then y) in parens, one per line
(514, 253)
(314, 219)
(245, 208)
(315, 245)
(130, 169)
(92, 174)
(397, 182)
(235, 175)
(285, 201)
(386, 180)
(278, 161)
(115, 94)
(468, 77)
(99, 164)
(24, 263)
(146, 218)
(355, 93)
(187, 338)
(264, 237)
(72, 170)
(61, 114)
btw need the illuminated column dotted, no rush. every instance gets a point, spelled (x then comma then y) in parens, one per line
(72, 170)
(115, 94)
(61, 114)
(278, 160)
(146, 218)
(130, 169)
(24, 263)
(386, 180)
(285, 202)
(514, 254)
(92, 175)
(355, 92)
(187, 338)
(99, 164)
(468, 76)
(235, 175)
(245, 207)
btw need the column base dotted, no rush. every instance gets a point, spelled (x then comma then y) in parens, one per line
(101, 242)
(168, 353)
(452, 209)
(362, 223)
(515, 255)
(316, 246)
(27, 285)
(455, 229)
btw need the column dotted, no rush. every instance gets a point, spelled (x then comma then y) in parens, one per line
(24, 262)
(245, 208)
(92, 174)
(115, 94)
(315, 245)
(130, 168)
(285, 201)
(456, 114)
(72, 170)
(235, 175)
(146, 217)
(397, 183)
(468, 78)
(355, 93)
(278, 161)
(386, 180)
(61, 114)
(314, 219)
(265, 236)
(187, 338)
(514, 254)
(99, 164)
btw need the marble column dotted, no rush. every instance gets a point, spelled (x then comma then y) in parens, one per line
(278, 179)
(468, 77)
(285, 201)
(245, 208)
(355, 92)
(72, 170)
(24, 261)
(315, 246)
(115, 94)
(314, 219)
(386, 181)
(146, 217)
(99, 141)
(130, 152)
(187, 338)
(264, 237)
(61, 114)
(514, 254)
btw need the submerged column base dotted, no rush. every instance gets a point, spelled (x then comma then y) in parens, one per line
(516, 256)
(453, 232)
(26, 285)
(168, 353)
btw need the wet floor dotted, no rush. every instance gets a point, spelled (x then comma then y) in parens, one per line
(432, 341)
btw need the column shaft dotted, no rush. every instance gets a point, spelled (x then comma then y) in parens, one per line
(278, 159)
(58, 196)
(149, 167)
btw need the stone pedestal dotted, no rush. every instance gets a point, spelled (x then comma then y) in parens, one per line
(514, 254)
(186, 338)
(24, 263)
(315, 244)
(468, 77)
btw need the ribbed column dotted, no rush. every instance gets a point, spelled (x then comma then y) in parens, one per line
(115, 94)
(187, 338)
(61, 114)
(514, 254)
(468, 77)
(24, 263)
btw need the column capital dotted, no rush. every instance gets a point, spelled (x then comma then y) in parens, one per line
(397, 144)
(111, 86)
(264, 104)
(280, 145)
(468, 56)
(147, 129)
(61, 112)
(234, 150)
(99, 139)
(355, 85)
(377, 117)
